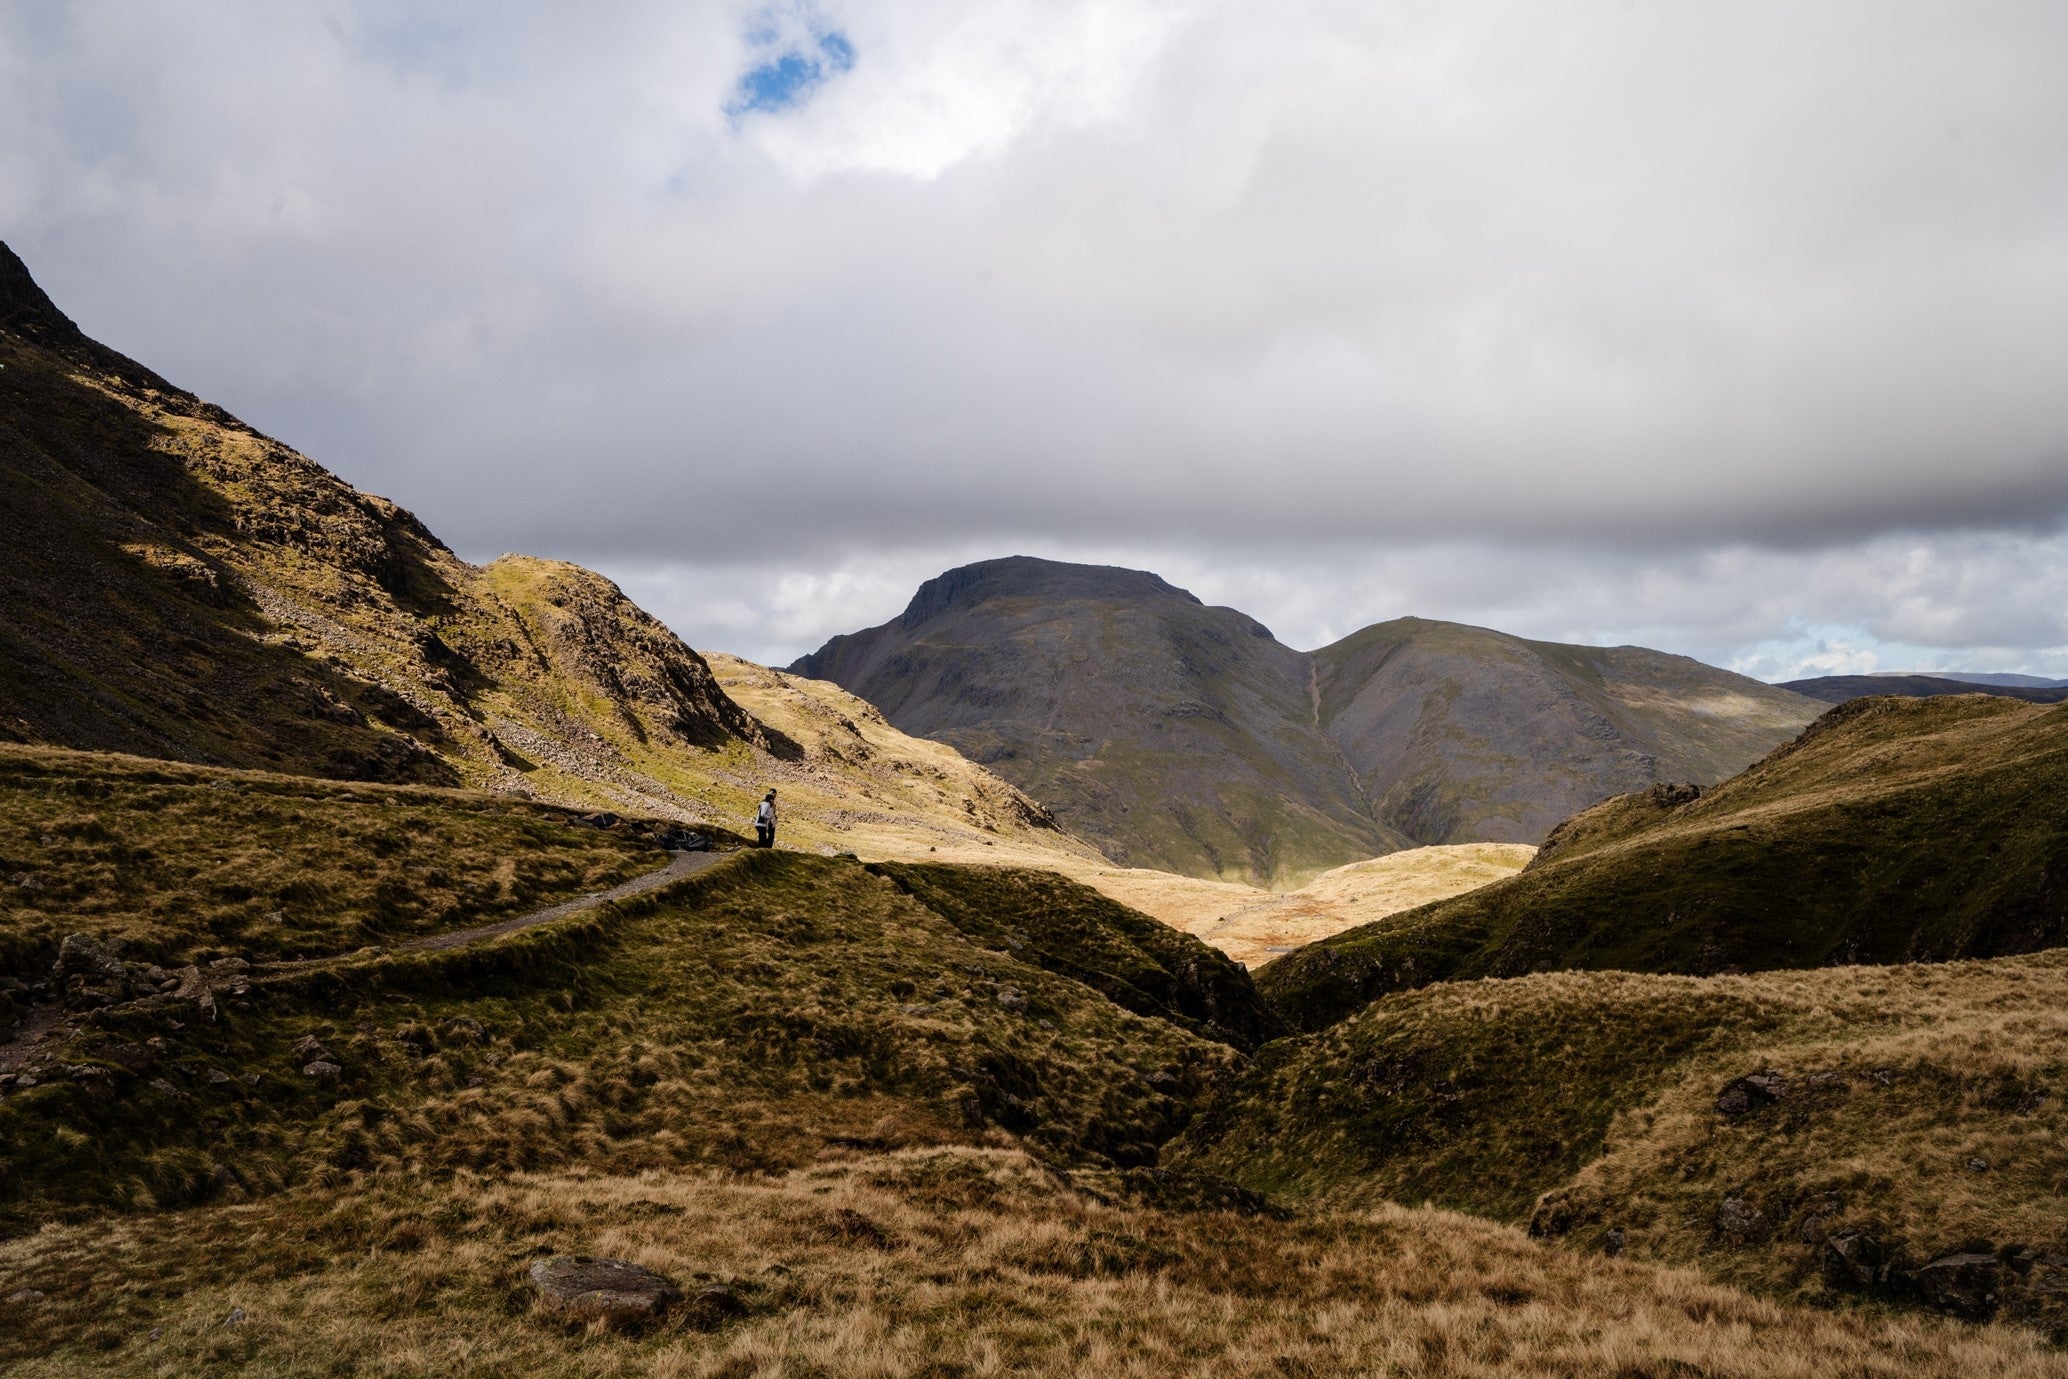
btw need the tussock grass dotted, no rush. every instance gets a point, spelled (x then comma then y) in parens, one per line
(1071, 929)
(1600, 1092)
(747, 1019)
(182, 864)
(954, 1262)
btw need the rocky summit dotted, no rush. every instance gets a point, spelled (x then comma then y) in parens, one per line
(1188, 738)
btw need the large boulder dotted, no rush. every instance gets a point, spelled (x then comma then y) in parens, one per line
(87, 974)
(607, 1290)
(1964, 1283)
(1853, 1260)
(1751, 1092)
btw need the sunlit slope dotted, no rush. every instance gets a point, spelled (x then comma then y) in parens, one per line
(179, 586)
(1257, 926)
(1898, 1115)
(859, 785)
(1894, 830)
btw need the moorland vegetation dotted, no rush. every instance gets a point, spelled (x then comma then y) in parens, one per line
(331, 1017)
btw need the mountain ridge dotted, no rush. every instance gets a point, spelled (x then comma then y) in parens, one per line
(1839, 689)
(1186, 737)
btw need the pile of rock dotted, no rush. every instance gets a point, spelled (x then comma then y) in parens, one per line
(664, 833)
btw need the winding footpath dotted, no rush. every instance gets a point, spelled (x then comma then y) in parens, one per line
(681, 866)
(44, 1021)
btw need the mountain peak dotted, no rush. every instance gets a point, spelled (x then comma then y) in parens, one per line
(1026, 576)
(24, 307)
(27, 311)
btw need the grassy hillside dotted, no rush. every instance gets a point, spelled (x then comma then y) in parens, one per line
(1900, 1115)
(175, 864)
(1463, 734)
(1136, 962)
(945, 1263)
(903, 1121)
(1894, 830)
(747, 1018)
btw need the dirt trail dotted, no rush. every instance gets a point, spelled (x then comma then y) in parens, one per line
(43, 1022)
(680, 866)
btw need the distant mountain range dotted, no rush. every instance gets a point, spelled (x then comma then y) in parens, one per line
(1984, 677)
(1838, 689)
(1188, 738)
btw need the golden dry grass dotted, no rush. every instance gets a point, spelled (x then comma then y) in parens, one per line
(917, 1265)
(185, 863)
(1261, 925)
(885, 796)
(1600, 1091)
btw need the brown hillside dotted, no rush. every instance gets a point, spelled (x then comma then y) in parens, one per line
(177, 585)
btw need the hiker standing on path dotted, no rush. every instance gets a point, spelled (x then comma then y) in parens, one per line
(765, 821)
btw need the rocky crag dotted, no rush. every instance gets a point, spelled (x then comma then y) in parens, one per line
(177, 585)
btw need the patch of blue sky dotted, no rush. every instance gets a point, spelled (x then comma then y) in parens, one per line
(788, 74)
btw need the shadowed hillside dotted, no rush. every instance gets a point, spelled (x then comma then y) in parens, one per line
(1187, 738)
(1173, 735)
(1462, 734)
(1895, 830)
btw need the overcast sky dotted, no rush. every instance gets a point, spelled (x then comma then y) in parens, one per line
(1739, 330)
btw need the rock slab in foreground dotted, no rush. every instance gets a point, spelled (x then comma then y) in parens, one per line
(609, 1290)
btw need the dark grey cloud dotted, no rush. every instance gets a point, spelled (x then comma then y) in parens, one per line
(1736, 329)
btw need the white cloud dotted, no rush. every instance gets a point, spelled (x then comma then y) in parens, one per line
(936, 84)
(1725, 327)
(1890, 603)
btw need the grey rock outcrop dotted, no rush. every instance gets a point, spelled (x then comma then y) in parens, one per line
(609, 1290)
